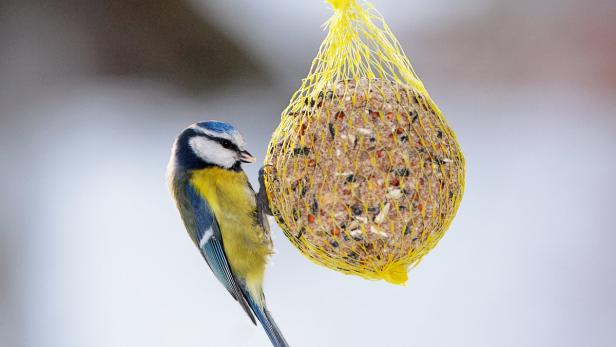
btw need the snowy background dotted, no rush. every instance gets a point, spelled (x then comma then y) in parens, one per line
(93, 253)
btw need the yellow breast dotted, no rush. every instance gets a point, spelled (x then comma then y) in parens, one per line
(233, 203)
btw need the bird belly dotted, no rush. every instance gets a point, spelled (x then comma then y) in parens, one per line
(234, 205)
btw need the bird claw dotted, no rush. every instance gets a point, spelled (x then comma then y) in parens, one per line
(262, 199)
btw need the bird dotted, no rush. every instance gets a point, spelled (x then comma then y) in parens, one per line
(223, 215)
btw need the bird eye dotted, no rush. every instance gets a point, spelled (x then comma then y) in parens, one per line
(227, 144)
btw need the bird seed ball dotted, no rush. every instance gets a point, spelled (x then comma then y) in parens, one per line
(365, 175)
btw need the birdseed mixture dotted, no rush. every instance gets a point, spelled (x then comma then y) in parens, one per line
(369, 175)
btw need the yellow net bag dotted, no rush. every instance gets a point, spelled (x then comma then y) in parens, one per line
(363, 174)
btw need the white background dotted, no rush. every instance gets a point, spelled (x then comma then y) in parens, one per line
(93, 253)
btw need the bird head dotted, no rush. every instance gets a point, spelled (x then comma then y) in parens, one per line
(211, 143)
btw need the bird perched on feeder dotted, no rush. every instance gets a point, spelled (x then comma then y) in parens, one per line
(222, 214)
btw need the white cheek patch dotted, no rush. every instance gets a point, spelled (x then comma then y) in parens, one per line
(212, 152)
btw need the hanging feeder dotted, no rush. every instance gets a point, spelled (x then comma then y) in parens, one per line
(363, 174)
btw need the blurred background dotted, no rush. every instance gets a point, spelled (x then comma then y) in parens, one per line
(93, 253)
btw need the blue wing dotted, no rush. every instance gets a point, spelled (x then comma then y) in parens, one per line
(209, 240)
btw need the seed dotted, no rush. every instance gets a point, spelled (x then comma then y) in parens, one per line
(336, 232)
(353, 140)
(374, 209)
(315, 206)
(378, 231)
(300, 233)
(301, 151)
(346, 173)
(304, 191)
(295, 215)
(394, 194)
(407, 229)
(311, 218)
(402, 172)
(364, 131)
(361, 219)
(374, 115)
(380, 218)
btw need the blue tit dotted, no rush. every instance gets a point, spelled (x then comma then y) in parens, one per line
(221, 213)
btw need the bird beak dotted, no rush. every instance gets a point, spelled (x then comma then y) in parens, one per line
(246, 157)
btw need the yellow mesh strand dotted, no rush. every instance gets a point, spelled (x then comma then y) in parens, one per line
(355, 47)
(359, 44)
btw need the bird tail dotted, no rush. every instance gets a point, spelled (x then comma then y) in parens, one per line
(268, 323)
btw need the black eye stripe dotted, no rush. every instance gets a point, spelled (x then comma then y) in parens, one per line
(223, 142)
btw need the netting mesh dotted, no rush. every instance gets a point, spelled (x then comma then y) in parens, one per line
(363, 174)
